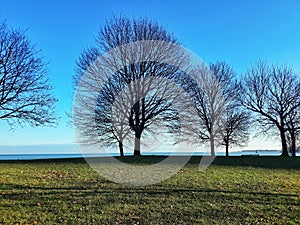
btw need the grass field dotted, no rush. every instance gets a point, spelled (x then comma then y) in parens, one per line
(235, 190)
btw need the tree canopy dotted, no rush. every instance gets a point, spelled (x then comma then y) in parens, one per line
(25, 93)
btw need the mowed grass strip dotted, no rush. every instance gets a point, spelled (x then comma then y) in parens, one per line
(234, 190)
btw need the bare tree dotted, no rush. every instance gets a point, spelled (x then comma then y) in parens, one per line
(207, 95)
(236, 130)
(220, 119)
(25, 94)
(138, 94)
(273, 94)
(107, 130)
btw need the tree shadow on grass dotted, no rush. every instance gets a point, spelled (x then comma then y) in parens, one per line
(23, 192)
(270, 162)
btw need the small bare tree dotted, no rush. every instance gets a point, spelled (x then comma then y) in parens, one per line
(237, 126)
(207, 95)
(108, 130)
(25, 93)
(235, 130)
(220, 120)
(273, 94)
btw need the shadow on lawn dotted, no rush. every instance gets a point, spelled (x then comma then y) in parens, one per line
(271, 162)
(91, 189)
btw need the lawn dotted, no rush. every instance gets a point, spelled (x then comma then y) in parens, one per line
(235, 190)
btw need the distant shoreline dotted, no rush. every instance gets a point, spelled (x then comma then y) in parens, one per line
(35, 156)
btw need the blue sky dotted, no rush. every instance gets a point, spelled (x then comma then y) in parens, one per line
(238, 32)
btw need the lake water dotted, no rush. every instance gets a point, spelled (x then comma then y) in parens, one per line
(65, 156)
(63, 151)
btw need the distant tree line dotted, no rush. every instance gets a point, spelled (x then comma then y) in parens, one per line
(131, 104)
(266, 96)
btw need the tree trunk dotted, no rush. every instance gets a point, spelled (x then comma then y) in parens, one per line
(293, 144)
(283, 143)
(212, 145)
(227, 148)
(121, 148)
(137, 144)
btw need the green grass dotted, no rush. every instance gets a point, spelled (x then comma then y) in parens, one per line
(235, 190)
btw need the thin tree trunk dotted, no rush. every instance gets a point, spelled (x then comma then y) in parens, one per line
(137, 144)
(138, 133)
(283, 143)
(293, 146)
(212, 145)
(121, 148)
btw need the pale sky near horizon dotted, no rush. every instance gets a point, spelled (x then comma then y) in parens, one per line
(238, 32)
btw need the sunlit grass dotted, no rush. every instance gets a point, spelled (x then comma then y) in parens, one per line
(237, 190)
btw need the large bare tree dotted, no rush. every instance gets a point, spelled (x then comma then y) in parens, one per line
(273, 94)
(25, 93)
(136, 95)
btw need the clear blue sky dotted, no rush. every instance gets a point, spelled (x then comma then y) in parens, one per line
(238, 32)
